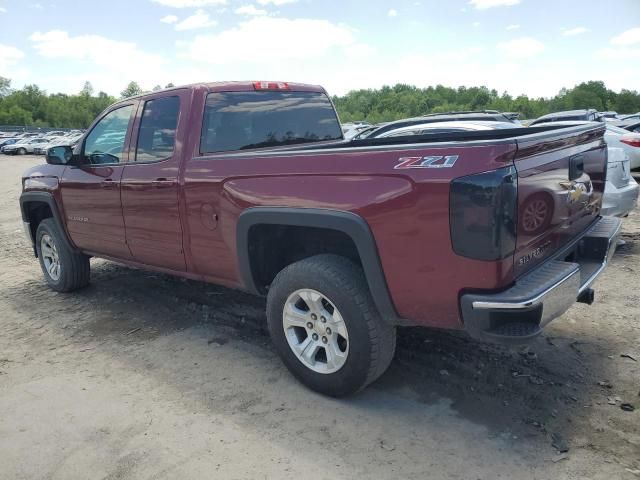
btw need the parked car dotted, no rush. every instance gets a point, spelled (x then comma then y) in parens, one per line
(441, 127)
(588, 115)
(23, 146)
(482, 116)
(608, 116)
(632, 116)
(251, 185)
(69, 140)
(621, 190)
(631, 125)
(7, 141)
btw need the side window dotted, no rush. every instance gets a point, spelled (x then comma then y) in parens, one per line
(157, 133)
(105, 143)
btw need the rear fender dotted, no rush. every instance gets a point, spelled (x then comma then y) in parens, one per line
(349, 223)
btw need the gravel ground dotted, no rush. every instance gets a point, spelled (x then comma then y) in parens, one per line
(143, 375)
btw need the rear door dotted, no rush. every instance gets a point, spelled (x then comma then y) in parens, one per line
(561, 177)
(150, 188)
(91, 190)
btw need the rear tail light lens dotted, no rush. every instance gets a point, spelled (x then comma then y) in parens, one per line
(483, 214)
(634, 142)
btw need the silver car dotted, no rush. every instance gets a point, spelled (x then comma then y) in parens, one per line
(444, 127)
(621, 190)
(24, 146)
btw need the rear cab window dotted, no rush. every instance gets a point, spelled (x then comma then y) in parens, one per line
(247, 120)
(157, 132)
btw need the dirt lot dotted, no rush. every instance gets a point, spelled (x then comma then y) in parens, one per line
(146, 376)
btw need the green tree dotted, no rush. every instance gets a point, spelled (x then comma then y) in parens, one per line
(132, 90)
(87, 89)
(5, 86)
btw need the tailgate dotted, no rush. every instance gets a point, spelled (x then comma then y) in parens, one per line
(561, 178)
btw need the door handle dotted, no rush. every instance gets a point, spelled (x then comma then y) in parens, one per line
(576, 167)
(108, 183)
(162, 183)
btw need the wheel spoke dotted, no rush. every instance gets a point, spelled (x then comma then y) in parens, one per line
(337, 324)
(335, 356)
(308, 349)
(294, 317)
(46, 251)
(313, 300)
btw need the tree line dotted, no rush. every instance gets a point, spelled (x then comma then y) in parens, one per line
(32, 106)
(402, 101)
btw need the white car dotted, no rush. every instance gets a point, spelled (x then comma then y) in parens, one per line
(24, 146)
(621, 190)
(444, 127)
(69, 140)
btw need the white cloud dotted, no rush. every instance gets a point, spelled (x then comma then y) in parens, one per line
(9, 56)
(514, 26)
(250, 10)
(618, 53)
(200, 19)
(108, 64)
(3, 10)
(629, 37)
(190, 3)
(484, 4)
(392, 13)
(313, 38)
(521, 48)
(475, 24)
(277, 3)
(575, 31)
(169, 19)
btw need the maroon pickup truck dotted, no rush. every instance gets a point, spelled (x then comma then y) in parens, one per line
(251, 185)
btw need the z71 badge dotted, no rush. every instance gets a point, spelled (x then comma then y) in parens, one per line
(437, 161)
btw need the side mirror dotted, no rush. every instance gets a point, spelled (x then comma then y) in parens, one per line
(59, 155)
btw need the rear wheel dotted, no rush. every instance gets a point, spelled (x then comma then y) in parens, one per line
(64, 269)
(325, 326)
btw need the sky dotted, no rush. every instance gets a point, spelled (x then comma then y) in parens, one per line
(532, 47)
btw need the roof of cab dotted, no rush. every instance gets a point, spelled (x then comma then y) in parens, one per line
(240, 86)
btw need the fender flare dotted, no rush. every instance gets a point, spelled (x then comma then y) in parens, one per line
(43, 197)
(349, 223)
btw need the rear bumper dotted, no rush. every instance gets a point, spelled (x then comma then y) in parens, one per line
(519, 313)
(618, 202)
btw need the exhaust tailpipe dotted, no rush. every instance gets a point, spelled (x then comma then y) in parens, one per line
(587, 296)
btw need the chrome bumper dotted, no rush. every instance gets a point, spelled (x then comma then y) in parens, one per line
(519, 313)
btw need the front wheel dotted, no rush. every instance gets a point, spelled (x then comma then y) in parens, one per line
(64, 269)
(22, 151)
(326, 327)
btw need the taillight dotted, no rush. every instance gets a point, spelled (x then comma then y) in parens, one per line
(483, 212)
(270, 86)
(634, 142)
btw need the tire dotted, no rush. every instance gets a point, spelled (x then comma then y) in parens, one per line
(72, 270)
(21, 151)
(369, 345)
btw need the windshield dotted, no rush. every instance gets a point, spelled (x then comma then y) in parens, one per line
(244, 120)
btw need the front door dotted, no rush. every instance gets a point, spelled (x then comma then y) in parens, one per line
(150, 189)
(91, 190)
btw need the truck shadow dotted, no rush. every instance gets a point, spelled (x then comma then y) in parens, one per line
(529, 391)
